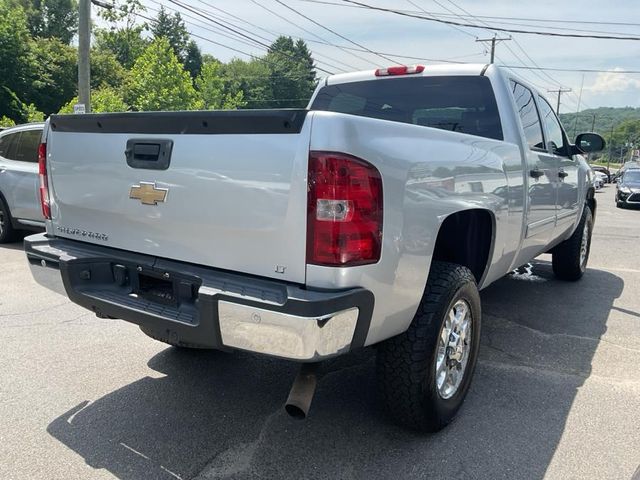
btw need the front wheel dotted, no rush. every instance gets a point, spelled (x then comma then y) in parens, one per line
(424, 373)
(569, 259)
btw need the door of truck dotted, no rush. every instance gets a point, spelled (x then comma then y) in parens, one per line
(541, 172)
(567, 205)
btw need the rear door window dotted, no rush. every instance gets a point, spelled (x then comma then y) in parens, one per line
(528, 115)
(8, 144)
(27, 146)
(464, 104)
(554, 130)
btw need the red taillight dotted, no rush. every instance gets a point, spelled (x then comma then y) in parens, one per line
(44, 184)
(344, 211)
(399, 70)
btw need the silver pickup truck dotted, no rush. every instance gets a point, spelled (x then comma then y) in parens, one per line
(373, 217)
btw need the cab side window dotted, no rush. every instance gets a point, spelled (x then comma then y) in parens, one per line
(555, 142)
(528, 115)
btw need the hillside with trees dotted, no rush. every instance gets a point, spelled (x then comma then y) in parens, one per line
(135, 66)
(619, 126)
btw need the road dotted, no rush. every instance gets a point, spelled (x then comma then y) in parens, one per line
(556, 393)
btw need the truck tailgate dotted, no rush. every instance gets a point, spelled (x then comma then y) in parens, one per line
(233, 195)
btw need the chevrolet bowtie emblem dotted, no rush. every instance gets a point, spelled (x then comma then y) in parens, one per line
(148, 193)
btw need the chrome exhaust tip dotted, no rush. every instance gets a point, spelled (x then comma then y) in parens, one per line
(302, 391)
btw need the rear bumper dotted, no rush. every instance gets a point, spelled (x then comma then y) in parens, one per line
(209, 308)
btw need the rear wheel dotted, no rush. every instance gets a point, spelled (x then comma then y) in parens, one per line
(424, 373)
(7, 233)
(569, 259)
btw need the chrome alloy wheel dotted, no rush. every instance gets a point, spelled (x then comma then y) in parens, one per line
(2, 220)
(454, 347)
(584, 245)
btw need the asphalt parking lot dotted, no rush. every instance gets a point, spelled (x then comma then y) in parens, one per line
(556, 393)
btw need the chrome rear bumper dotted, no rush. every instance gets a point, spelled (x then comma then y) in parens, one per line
(211, 308)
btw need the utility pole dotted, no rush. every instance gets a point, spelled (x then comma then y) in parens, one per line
(559, 91)
(84, 47)
(493, 41)
(84, 44)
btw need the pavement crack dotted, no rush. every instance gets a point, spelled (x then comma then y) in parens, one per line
(541, 333)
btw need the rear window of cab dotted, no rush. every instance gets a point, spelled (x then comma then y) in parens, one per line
(464, 104)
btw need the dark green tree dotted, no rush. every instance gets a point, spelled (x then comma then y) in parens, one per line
(16, 61)
(252, 78)
(54, 19)
(172, 28)
(291, 72)
(106, 70)
(193, 60)
(55, 79)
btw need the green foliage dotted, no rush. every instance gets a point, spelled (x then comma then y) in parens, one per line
(106, 70)
(55, 77)
(51, 18)
(6, 122)
(292, 75)
(103, 100)
(251, 78)
(172, 28)
(602, 119)
(33, 114)
(619, 126)
(15, 59)
(159, 82)
(124, 37)
(211, 88)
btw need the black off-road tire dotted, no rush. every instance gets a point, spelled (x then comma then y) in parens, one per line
(7, 232)
(406, 363)
(566, 259)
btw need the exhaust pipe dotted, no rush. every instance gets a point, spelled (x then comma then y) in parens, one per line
(302, 391)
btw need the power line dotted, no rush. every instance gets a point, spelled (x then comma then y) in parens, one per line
(490, 17)
(207, 17)
(334, 32)
(499, 29)
(218, 31)
(578, 70)
(276, 34)
(322, 40)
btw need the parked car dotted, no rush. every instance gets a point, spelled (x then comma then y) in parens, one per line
(19, 189)
(628, 188)
(375, 216)
(627, 166)
(598, 181)
(604, 171)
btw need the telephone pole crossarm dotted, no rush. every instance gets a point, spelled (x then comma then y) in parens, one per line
(493, 41)
(559, 91)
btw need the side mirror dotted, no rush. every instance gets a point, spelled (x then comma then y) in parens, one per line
(589, 143)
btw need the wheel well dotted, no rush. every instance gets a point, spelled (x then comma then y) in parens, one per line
(466, 238)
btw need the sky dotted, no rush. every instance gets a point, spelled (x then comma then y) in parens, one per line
(398, 37)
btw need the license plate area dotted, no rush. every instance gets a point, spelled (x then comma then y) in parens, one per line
(155, 288)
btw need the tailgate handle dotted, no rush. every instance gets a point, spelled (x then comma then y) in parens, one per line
(150, 154)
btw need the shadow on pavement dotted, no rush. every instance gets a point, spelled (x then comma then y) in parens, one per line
(217, 415)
